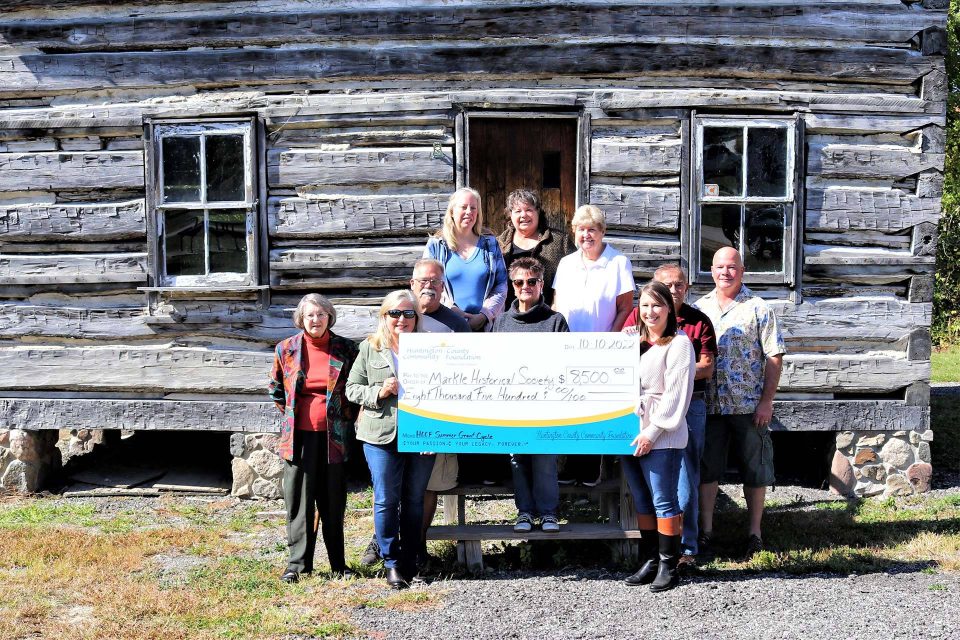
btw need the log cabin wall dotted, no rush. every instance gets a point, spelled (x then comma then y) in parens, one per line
(361, 110)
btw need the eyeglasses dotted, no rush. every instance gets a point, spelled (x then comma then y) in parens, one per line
(427, 282)
(531, 282)
(406, 313)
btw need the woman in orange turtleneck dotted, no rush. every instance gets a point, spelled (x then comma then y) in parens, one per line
(308, 384)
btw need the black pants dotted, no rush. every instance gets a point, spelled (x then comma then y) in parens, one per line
(311, 484)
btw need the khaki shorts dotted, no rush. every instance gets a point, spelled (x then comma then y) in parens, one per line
(445, 471)
(752, 448)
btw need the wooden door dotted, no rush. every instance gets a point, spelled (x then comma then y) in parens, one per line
(539, 154)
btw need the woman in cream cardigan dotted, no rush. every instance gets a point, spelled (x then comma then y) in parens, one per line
(667, 368)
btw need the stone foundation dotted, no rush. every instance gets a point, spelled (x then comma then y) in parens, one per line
(892, 463)
(257, 468)
(28, 458)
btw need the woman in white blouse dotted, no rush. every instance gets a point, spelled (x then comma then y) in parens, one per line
(667, 368)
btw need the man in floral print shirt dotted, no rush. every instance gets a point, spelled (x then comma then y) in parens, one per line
(740, 403)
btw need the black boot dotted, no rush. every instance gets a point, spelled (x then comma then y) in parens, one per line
(667, 576)
(648, 558)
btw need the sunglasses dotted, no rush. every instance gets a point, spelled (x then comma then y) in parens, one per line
(406, 313)
(531, 282)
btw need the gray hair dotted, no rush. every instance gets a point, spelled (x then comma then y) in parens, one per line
(320, 301)
(589, 214)
(428, 262)
(671, 266)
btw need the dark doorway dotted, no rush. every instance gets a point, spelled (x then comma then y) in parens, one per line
(517, 153)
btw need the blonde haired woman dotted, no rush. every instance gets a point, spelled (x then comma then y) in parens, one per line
(475, 277)
(399, 479)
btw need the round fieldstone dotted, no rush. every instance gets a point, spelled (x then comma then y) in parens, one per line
(21, 476)
(269, 489)
(872, 441)
(865, 456)
(842, 480)
(267, 465)
(845, 439)
(866, 488)
(898, 485)
(238, 445)
(28, 446)
(923, 452)
(4, 437)
(270, 442)
(919, 475)
(914, 438)
(243, 477)
(5, 458)
(897, 453)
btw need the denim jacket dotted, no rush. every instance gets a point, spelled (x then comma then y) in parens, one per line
(495, 294)
(287, 378)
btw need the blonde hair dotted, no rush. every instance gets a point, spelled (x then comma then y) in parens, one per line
(320, 301)
(446, 231)
(590, 214)
(382, 337)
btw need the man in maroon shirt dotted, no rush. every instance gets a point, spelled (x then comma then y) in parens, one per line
(699, 329)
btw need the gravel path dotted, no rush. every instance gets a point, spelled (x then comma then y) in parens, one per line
(595, 604)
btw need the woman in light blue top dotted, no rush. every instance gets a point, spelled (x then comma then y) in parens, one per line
(475, 275)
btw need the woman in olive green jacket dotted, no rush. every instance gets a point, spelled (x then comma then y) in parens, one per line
(399, 479)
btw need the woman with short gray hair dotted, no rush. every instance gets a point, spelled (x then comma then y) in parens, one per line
(308, 384)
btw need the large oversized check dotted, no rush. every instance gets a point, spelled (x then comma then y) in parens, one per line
(518, 392)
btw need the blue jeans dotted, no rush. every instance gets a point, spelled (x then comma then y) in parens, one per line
(688, 491)
(399, 482)
(653, 481)
(535, 487)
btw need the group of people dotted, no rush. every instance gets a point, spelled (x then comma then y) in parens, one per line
(533, 278)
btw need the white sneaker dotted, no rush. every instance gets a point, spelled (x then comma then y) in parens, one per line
(524, 523)
(550, 524)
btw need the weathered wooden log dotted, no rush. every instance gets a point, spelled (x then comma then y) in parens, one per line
(622, 101)
(626, 156)
(640, 208)
(365, 136)
(923, 239)
(30, 74)
(244, 25)
(336, 215)
(880, 319)
(848, 415)
(68, 171)
(921, 288)
(298, 167)
(132, 414)
(263, 417)
(33, 222)
(820, 123)
(850, 373)
(863, 265)
(847, 208)
(859, 238)
(868, 161)
(73, 269)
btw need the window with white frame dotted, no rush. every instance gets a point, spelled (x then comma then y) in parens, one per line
(205, 205)
(745, 194)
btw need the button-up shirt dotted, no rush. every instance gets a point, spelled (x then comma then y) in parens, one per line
(747, 334)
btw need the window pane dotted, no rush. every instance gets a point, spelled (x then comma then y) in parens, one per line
(183, 243)
(767, 162)
(225, 174)
(181, 169)
(764, 243)
(722, 161)
(719, 227)
(228, 241)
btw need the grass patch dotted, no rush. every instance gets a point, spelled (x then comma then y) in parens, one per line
(945, 364)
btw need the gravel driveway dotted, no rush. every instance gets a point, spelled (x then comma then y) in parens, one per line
(596, 604)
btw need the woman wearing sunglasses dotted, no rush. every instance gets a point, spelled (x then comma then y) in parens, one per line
(536, 491)
(399, 479)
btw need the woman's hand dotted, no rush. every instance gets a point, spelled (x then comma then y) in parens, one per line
(389, 388)
(643, 446)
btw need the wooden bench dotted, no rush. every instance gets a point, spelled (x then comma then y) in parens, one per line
(612, 494)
